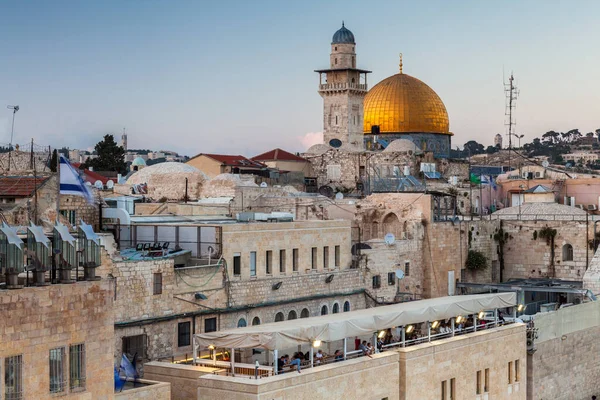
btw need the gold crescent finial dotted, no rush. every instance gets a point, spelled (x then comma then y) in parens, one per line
(400, 62)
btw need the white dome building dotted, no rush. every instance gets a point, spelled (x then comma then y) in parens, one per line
(168, 180)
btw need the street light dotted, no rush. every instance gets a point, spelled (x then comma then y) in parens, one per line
(12, 131)
(518, 137)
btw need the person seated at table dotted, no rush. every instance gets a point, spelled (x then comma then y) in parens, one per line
(319, 357)
(281, 361)
(363, 347)
(371, 348)
(338, 356)
(296, 361)
(379, 345)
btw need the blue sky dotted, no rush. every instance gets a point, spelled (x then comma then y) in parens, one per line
(237, 76)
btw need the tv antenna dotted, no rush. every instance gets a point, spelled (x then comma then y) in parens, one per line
(512, 93)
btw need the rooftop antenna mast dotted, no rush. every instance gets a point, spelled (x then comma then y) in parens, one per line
(512, 93)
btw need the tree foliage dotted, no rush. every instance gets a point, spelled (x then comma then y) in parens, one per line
(54, 160)
(111, 156)
(475, 260)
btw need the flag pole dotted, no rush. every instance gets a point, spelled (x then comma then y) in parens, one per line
(57, 185)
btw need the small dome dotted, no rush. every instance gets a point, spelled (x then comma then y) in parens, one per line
(343, 35)
(402, 145)
(139, 161)
(318, 149)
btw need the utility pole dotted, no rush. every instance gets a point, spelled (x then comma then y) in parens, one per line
(511, 97)
(12, 131)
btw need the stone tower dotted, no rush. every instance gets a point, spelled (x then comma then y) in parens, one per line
(343, 88)
(498, 140)
(124, 140)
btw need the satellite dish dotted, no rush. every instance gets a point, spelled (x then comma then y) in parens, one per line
(110, 184)
(339, 196)
(326, 191)
(99, 184)
(263, 184)
(545, 164)
(335, 143)
(399, 274)
(211, 250)
(88, 183)
(389, 238)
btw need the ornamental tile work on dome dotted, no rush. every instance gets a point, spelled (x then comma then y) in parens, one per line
(343, 35)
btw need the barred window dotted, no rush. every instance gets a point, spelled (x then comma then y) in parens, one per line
(133, 345)
(157, 283)
(13, 378)
(183, 334)
(57, 370)
(77, 366)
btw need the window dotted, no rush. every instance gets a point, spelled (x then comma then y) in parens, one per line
(407, 268)
(334, 172)
(346, 306)
(242, 323)
(57, 370)
(269, 261)
(237, 264)
(353, 62)
(326, 257)
(210, 325)
(478, 383)
(313, 259)
(391, 278)
(183, 334)
(77, 367)
(134, 345)
(567, 251)
(305, 313)
(337, 256)
(510, 372)
(282, 261)
(335, 48)
(324, 310)
(336, 64)
(69, 215)
(252, 263)
(255, 321)
(376, 281)
(157, 283)
(486, 381)
(295, 260)
(292, 315)
(452, 389)
(336, 308)
(336, 122)
(279, 317)
(444, 390)
(517, 372)
(13, 378)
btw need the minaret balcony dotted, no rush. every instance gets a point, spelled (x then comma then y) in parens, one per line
(331, 87)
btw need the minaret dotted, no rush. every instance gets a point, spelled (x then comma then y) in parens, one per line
(343, 91)
(124, 140)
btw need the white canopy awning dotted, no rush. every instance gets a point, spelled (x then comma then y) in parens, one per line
(286, 334)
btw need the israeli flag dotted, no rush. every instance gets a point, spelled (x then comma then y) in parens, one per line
(71, 183)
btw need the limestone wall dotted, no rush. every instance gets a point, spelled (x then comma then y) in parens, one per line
(362, 378)
(527, 257)
(424, 367)
(35, 320)
(183, 378)
(151, 391)
(566, 364)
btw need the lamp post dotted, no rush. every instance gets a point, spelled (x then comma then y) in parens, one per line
(518, 137)
(12, 131)
(521, 187)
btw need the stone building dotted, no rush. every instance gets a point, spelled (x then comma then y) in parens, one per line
(498, 141)
(216, 164)
(257, 273)
(56, 340)
(168, 180)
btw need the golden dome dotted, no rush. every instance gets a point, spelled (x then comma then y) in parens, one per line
(403, 104)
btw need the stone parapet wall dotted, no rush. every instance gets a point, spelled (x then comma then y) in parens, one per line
(150, 391)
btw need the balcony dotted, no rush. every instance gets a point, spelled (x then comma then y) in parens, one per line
(331, 87)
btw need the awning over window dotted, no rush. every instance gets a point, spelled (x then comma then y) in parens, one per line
(327, 328)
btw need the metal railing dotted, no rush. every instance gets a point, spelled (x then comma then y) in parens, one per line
(342, 85)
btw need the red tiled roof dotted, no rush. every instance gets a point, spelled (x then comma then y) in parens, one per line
(92, 177)
(278, 155)
(20, 186)
(234, 160)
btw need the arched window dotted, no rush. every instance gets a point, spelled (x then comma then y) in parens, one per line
(279, 317)
(336, 61)
(324, 310)
(336, 119)
(256, 321)
(567, 252)
(374, 230)
(336, 308)
(391, 224)
(335, 48)
(305, 313)
(347, 306)
(242, 323)
(292, 315)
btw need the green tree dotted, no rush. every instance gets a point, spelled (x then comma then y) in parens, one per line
(473, 147)
(54, 160)
(111, 156)
(491, 150)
